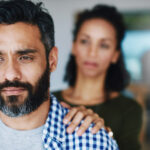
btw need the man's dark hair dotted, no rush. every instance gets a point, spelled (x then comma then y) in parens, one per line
(13, 11)
(117, 77)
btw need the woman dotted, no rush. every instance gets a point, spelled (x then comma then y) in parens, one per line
(97, 75)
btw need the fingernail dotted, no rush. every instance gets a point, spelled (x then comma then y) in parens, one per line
(65, 121)
(69, 130)
(93, 131)
(79, 132)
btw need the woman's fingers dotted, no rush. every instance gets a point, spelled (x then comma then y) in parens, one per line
(84, 126)
(99, 123)
(65, 105)
(70, 115)
(77, 114)
(94, 118)
(75, 122)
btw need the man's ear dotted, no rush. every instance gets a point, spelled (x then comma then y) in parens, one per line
(53, 58)
(115, 56)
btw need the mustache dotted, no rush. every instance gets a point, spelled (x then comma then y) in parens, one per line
(15, 84)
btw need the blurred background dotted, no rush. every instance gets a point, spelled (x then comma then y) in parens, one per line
(136, 46)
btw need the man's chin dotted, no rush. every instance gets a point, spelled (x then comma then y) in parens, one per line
(14, 106)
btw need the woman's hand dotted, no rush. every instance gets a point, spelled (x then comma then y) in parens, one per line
(77, 114)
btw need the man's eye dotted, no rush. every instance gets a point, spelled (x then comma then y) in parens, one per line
(83, 41)
(25, 58)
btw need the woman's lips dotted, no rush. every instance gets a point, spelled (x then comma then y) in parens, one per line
(12, 91)
(90, 64)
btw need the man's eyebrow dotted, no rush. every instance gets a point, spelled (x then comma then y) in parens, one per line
(26, 51)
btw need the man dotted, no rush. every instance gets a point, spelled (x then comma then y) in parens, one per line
(31, 118)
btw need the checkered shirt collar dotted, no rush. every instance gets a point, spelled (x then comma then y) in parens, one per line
(54, 128)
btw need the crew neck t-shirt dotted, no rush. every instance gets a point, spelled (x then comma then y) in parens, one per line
(25, 140)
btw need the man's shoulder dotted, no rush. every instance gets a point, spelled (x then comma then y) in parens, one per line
(98, 141)
(55, 134)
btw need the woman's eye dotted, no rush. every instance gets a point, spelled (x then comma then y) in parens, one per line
(103, 45)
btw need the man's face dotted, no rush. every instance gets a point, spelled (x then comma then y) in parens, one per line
(24, 71)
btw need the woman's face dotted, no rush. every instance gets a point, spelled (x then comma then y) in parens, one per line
(95, 47)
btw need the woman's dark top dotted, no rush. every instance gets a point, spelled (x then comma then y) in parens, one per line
(123, 115)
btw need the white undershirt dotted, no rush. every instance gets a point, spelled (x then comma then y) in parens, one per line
(11, 139)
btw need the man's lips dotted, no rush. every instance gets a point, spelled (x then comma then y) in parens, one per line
(12, 90)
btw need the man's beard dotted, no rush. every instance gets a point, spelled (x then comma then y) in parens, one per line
(36, 96)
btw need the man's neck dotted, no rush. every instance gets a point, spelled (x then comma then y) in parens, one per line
(30, 121)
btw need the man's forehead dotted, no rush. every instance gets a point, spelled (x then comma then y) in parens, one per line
(20, 36)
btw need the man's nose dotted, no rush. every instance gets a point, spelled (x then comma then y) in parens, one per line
(12, 72)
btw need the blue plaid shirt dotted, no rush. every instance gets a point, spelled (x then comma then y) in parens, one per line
(55, 136)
